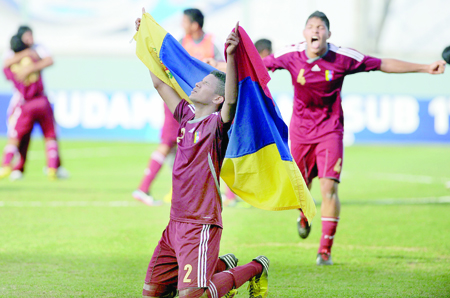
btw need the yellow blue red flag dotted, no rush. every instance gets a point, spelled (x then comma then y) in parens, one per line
(167, 59)
(258, 166)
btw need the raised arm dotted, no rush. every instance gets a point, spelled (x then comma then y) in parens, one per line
(170, 97)
(398, 66)
(231, 83)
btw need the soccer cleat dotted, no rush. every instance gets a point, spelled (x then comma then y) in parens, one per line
(230, 260)
(5, 171)
(51, 173)
(15, 175)
(231, 294)
(303, 226)
(61, 172)
(324, 259)
(258, 285)
(145, 198)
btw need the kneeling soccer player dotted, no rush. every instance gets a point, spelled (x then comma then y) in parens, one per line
(186, 258)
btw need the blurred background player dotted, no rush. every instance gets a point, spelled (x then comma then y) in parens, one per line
(264, 47)
(45, 60)
(201, 46)
(316, 130)
(33, 106)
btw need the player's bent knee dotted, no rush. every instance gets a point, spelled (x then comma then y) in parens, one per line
(158, 290)
(193, 293)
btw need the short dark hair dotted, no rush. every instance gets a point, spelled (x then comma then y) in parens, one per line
(221, 77)
(195, 15)
(17, 44)
(446, 54)
(22, 29)
(320, 15)
(263, 44)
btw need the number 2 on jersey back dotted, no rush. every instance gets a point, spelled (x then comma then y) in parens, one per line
(301, 79)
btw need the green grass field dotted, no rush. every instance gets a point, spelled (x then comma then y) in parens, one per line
(86, 236)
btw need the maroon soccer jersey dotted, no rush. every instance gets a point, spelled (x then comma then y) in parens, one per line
(317, 85)
(195, 177)
(32, 86)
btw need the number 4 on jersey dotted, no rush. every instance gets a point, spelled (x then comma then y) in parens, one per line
(301, 79)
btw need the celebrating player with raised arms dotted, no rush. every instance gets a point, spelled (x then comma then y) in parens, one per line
(186, 258)
(318, 69)
(201, 46)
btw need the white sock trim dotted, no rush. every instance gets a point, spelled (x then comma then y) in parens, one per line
(335, 219)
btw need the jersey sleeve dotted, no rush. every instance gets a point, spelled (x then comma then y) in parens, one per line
(42, 51)
(366, 63)
(183, 111)
(273, 63)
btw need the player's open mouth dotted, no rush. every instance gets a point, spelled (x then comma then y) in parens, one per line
(315, 42)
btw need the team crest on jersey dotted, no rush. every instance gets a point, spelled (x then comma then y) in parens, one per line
(329, 75)
(196, 136)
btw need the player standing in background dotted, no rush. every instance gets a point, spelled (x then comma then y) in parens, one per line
(264, 47)
(316, 130)
(33, 107)
(45, 60)
(186, 257)
(201, 46)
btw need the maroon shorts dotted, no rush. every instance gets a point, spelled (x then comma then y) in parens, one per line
(23, 117)
(169, 132)
(322, 159)
(186, 256)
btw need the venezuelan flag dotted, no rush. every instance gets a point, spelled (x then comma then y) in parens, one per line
(258, 165)
(167, 59)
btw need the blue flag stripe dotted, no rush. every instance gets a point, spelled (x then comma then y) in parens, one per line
(186, 70)
(256, 125)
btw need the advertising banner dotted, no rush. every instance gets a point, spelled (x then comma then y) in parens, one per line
(138, 116)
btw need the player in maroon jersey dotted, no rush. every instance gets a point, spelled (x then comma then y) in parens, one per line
(316, 130)
(35, 108)
(44, 60)
(186, 258)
